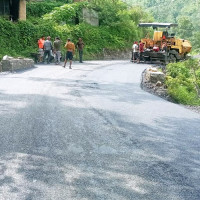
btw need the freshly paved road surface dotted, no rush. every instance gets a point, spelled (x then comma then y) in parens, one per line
(91, 133)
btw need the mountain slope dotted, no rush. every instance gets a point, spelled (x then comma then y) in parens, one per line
(171, 10)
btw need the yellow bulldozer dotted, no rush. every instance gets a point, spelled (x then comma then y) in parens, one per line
(170, 48)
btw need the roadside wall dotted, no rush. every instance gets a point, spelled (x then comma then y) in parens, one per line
(14, 64)
(116, 55)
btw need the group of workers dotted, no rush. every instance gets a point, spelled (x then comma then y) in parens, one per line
(139, 48)
(48, 50)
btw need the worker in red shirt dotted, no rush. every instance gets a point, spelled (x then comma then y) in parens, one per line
(41, 48)
(141, 47)
(141, 50)
(156, 48)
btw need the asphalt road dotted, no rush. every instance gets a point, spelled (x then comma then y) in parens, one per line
(91, 133)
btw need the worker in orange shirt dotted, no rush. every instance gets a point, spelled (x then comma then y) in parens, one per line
(70, 52)
(41, 48)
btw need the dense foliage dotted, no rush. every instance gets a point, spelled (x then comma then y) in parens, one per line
(38, 9)
(185, 13)
(20, 39)
(183, 82)
(117, 30)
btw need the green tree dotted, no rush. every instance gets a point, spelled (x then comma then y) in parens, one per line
(186, 27)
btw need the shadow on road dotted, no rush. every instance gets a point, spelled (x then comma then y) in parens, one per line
(51, 149)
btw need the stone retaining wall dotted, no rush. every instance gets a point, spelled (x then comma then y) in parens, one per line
(115, 54)
(13, 64)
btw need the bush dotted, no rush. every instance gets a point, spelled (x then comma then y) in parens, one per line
(38, 9)
(9, 39)
(17, 39)
(181, 95)
(65, 13)
(183, 82)
(176, 69)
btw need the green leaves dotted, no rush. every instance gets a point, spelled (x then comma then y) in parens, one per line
(178, 69)
(183, 82)
(185, 27)
(38, 9)
(65, 13)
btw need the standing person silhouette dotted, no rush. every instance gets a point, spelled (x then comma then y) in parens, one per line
(80, 45)
(41, 48)
(47, 49)
(70, 52)
(57, 50)
(141, 50)
(135, 51)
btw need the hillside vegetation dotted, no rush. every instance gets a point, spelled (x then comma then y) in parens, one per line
(117, 30)
(183, 82)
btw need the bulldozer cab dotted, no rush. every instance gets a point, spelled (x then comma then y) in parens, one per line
(160, 35)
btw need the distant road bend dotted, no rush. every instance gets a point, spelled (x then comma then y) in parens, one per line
(91, 133)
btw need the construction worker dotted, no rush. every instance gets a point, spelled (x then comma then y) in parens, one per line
(57, 50)
(80, 45)
(141, 50)
(164, 46)
(70, 52)
(156, 48)
(132, 52)
(47, 49)
(135, 51)
(40, 48)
